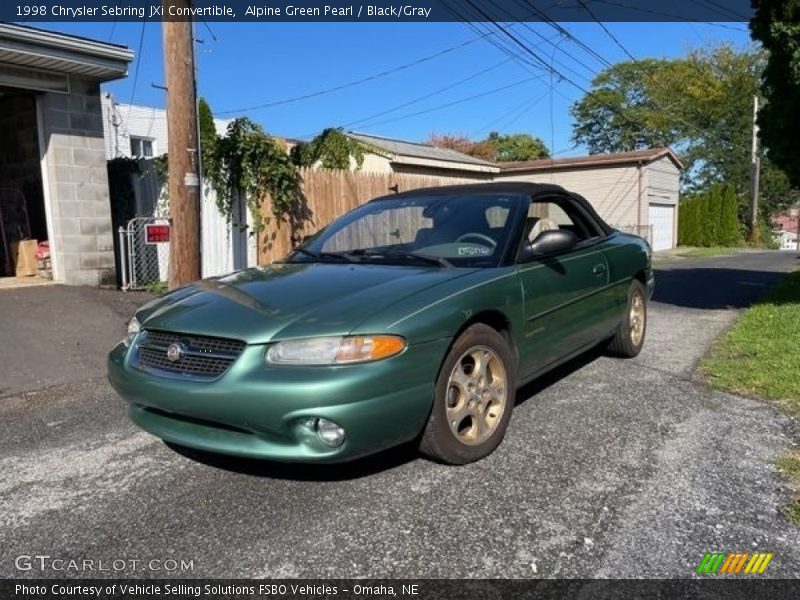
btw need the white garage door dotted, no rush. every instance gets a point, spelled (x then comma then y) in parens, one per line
(662, 221)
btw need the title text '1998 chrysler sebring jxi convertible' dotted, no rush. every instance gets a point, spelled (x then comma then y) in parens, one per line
(414, 317)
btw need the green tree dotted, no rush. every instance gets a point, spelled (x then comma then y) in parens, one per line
(516, 147)
(709, 218)
(700, 104)
(621, 113)
(730, 231)
(776, 24)
(496, 147)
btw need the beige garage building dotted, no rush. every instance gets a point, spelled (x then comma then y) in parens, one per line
(633, 191)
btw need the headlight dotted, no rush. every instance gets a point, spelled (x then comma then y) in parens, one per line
(335, 350)
(133, 329)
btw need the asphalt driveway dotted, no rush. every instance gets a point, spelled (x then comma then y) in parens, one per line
(610, 468)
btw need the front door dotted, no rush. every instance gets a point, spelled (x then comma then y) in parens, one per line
(567, 298)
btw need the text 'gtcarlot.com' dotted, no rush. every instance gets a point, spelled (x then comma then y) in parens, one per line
(45, 562)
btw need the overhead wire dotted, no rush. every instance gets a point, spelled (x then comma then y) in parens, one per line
(349, 84)
(428, 95)
(139, 54)
(661, 13)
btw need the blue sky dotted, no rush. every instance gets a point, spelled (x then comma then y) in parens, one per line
(256, 63)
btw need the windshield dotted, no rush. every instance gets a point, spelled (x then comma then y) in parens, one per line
(471, 230)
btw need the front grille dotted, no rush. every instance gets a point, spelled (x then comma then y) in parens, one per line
(202, 357)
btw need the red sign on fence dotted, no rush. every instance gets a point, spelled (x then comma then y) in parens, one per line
(156, 233)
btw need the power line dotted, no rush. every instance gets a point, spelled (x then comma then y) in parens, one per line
(548, 40)
(724, 10)
(658, 105)
(138, 64)
(459, 101)
(669, 15)
(543, 63)
(618, 112)
(607, 30)
(208, 28)
(563, 30)
(434, 93)
(492, 38)
(337, 88)
(517, 111)
(429, 95)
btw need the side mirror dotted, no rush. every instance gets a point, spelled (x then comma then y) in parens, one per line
(553, 241)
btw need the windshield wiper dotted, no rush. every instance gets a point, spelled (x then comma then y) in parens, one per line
(402, 256)
(323, 255)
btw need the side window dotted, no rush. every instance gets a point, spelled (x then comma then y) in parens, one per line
(549, 214)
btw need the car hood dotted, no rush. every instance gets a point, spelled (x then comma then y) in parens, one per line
(289, 300)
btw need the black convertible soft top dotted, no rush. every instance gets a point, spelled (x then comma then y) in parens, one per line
(523, 188)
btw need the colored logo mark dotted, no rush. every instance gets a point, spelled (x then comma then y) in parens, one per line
(734, 563)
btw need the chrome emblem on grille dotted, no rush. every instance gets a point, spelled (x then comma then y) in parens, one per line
(176, 351)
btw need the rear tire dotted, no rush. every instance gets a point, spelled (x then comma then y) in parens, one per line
(629, 338)
(474, 398)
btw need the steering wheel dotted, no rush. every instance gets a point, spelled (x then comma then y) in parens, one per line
(480, 236)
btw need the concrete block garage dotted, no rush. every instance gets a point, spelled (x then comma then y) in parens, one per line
(53, 179)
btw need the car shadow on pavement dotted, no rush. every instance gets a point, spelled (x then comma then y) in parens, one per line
(370, 465)
(540, 384)
(712, 288)
(363, 467)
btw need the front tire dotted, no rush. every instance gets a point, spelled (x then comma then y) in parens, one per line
(474, 398)
(629, 338)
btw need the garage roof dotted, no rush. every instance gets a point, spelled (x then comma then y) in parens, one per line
(404, 152)
(594, 160)
(57, 52)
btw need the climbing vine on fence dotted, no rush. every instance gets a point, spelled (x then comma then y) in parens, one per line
(332, 149)
(249, 161)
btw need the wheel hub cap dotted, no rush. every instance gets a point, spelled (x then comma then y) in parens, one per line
(477, 393)
(636, 319)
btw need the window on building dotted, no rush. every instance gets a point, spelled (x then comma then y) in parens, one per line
(141, 147)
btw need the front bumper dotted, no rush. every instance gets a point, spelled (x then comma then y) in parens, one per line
(258, 411)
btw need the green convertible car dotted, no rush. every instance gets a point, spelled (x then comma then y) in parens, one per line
(414, 317)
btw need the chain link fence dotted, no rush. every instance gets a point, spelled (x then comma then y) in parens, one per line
(145, 260)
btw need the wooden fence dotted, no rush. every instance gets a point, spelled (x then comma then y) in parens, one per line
(329, 194)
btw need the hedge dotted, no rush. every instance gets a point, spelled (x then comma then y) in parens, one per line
(710, 219)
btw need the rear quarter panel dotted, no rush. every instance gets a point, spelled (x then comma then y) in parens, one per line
(628, 257)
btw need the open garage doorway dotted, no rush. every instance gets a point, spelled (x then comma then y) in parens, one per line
(22, 207)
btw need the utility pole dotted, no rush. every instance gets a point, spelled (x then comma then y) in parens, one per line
(755, 174)
(182, 127)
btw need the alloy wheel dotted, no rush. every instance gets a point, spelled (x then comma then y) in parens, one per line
(477, 392)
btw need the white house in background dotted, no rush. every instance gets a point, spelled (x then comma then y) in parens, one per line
(786, 239)
(135, 131)
(786, 228)
(633, 191)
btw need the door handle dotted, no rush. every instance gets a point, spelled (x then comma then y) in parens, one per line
(599, 269)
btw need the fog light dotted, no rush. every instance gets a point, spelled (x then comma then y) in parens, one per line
(329, 433)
